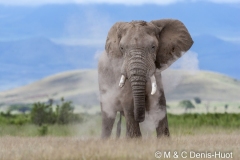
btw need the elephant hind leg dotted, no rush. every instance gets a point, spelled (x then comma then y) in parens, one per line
(107, 125)
(118, 134)
(162, 129)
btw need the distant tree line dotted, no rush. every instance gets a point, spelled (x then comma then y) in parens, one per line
(22, 108)
(41, 113)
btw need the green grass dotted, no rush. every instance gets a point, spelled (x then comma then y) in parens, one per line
(194, 124)
(224, 120)
(185, 124)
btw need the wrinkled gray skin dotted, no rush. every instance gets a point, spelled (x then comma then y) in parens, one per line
(138, 50)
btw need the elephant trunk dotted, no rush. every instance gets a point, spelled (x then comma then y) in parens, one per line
(139, 93)
(137, 74)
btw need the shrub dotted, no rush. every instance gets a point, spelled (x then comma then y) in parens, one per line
(15, 119)
(64, 112)
(186, 104)
(197, 100)
(226, 107)
(42, 113)
(43, 130)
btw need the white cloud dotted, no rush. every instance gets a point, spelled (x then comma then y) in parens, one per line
(189, 62)
(80, 41)
(126, 2)
(91, 31)
(224, 1)
(230, 39)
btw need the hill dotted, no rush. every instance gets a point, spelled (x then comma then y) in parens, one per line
(78, 86)
(207, 85)
(81, 87)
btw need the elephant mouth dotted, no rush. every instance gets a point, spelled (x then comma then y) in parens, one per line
(153, 82)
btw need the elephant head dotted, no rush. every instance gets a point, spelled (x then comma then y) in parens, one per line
(145, 47)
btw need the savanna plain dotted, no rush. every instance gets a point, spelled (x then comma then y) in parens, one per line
(190, 134)
(212, 126)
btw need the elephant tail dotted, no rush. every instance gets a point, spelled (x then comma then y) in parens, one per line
(119, 125)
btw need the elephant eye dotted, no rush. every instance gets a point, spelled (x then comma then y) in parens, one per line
(121, 48)
(153, 48)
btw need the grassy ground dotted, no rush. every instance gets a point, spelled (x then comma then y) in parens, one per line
(75, 148)
(190, 134)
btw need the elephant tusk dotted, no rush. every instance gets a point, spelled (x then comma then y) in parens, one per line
(122, 81)
(154, 84)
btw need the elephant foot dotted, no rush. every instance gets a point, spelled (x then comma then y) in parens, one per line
(162, 129)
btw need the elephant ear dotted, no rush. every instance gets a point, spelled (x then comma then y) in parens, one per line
(113, 39)
(174, 41)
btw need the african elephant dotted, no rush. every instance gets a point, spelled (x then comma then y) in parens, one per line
(129, 72)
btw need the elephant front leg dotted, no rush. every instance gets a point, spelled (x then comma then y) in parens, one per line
(133, 129)
(107, 125)
(162, 129)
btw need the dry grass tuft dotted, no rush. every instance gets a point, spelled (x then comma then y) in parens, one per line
(74, 148)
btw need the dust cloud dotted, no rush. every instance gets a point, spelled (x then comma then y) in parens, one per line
(187, 64)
